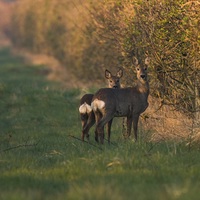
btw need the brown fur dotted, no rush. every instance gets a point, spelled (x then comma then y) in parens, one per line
(88, 118)
(108, 103)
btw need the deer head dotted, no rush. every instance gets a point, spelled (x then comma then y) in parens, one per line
(113, 80)
(141, 69)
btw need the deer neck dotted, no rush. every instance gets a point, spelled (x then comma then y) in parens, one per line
(143, 88)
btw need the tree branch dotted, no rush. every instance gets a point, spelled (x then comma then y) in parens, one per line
(19, 146)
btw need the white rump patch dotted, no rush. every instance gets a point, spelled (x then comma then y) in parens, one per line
(85, 108)
(97, 104)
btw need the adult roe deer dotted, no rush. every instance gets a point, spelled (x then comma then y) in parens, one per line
(85, 110)
(108, 103)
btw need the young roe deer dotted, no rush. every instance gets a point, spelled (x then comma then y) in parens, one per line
(85, 110)
(108, 103)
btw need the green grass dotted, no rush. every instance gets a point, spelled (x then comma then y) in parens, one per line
(38, 159)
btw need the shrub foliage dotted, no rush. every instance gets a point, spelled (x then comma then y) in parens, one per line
(108, 33)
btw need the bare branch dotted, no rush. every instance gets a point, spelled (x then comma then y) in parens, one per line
(19, 146)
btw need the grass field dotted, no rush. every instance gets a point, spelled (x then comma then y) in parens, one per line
(39, 160)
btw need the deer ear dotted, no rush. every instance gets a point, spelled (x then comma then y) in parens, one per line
(107, 74)
(135, 61)
(120, 73)
(147, 61)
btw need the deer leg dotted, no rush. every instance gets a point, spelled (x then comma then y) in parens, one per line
(88, 125)
(83, 121)
(100, 131)
(135, 125)
(96, 136)
(109, 124)
(100, 126)
(124, 127)
(129, 126)
(98, 116)
(84, 118)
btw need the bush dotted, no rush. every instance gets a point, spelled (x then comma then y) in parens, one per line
(169, 29)
(114, 31)
(166, 30)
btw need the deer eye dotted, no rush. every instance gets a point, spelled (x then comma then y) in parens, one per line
(138, 68)
(145, 68)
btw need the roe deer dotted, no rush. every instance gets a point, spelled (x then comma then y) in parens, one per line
(108, 103)
(85, 110)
